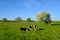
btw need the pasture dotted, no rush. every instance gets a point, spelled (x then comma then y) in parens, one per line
(11, 31)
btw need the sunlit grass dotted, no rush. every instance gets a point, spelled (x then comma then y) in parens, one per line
(11, 31)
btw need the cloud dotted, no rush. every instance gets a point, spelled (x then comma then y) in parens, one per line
(30, 3)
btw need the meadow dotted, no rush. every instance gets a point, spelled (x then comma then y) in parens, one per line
(11, 31)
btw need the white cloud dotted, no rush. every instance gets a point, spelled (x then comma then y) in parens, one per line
(30, 4)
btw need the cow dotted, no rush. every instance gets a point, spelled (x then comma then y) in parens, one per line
(24, 29)
(32, 27)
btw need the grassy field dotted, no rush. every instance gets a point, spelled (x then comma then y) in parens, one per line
(11, 31)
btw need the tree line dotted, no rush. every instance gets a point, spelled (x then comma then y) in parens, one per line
(40, 17)
(18, 19)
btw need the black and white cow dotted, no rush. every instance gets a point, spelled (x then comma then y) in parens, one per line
(24, 29)
(32, 26)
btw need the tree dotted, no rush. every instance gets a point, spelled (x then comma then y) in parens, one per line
(4, 20)
(28, 20)
(18, 19)
(43, 17)
(0, 20)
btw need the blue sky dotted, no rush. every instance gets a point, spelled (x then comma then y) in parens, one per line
(11, 9)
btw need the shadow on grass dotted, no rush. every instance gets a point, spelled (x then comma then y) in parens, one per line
(55, 24)
(40, 29)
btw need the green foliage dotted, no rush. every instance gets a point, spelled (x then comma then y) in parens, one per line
(28, 20)
(4, 20)
(43, 17)
(0, 20)
(18, 19)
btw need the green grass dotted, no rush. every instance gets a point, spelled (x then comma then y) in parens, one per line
(11, 31)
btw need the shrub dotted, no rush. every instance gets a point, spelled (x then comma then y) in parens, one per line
(4, 20)
(28, 20)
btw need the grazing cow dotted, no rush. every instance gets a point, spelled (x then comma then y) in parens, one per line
(32, 26)
(24, 29)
